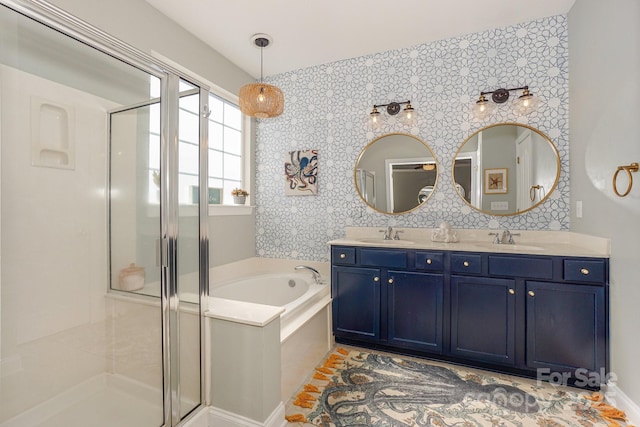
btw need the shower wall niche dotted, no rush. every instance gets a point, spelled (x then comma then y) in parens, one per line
(52, 134)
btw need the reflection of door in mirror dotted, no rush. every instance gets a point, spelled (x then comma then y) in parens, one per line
(405, 179)
(531, 159)
(464, 177)
(367, 184)
(399, 165)
(523, 170)
(466, 174)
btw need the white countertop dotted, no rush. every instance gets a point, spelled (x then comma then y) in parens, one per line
(560, 243)
(242, 312)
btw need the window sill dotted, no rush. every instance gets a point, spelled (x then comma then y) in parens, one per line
(213, 210)
(224, 210)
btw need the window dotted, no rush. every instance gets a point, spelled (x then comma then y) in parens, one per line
(226, 163)
(226, 146)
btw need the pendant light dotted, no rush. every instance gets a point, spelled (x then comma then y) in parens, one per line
(261, 100)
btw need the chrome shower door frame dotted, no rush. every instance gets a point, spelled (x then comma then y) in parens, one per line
(67, 24)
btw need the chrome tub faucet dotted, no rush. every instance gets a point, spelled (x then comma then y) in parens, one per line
(314, 273)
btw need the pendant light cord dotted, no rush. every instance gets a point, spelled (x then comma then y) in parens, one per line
(261, 50)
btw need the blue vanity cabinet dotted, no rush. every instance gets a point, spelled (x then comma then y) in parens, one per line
(415, 310)
(388, 297)
(539, 315)
(356, 307)
(483, 319)
(566, 329)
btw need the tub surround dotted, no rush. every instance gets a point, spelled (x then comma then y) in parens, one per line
(245, 369)
(248, 313)
(255, 266)
(260, 314)
(559, 243)
(260, 354)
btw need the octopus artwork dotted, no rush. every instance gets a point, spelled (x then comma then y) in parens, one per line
(301, 173)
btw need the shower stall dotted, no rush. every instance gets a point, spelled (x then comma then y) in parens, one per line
(103, 244)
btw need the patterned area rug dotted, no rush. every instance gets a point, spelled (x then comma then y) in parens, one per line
(366, 388)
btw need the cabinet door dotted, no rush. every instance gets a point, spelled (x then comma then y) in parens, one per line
(565, 327)
(415, 310)
(356, 302)
(483, 319)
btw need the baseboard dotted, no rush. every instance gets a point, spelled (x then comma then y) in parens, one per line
(199, 419)
(616, 397)
(221, 418)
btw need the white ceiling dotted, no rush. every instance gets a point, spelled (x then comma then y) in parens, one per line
(312, 32)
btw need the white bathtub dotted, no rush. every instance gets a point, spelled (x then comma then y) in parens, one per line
(305, 317)
(296, 293)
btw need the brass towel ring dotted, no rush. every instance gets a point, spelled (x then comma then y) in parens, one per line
(633, 167)
(534, 191)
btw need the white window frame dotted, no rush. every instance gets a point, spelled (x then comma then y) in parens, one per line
(247, 130)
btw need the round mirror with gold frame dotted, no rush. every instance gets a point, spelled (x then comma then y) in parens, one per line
(506, 169)
(395, 173)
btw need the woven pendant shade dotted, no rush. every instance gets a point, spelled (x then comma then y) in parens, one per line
(261, 100)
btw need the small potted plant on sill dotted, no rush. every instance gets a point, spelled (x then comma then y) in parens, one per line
(239, 196)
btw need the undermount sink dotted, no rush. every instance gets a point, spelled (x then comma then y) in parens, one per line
(379, 241)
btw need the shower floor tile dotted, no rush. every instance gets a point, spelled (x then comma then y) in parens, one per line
(103, 401)
(108, 408)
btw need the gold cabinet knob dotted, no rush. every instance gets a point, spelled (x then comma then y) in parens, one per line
(512, 291)
(391, 281)
(429, 261)
(466, 263)
(376, 279)
(343, 256)
(584, 271)
(531, 294)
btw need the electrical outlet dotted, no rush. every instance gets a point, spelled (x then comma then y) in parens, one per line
(500, 206)
(579, 209)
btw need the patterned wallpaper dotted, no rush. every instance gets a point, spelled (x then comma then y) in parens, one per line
(326, 108)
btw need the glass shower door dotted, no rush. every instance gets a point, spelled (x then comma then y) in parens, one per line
(134, 247)
(155, 230)
(189, 259)
(71, 353)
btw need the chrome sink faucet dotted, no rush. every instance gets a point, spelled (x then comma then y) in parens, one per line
(314, 273)
(506, 239)
(388, 233)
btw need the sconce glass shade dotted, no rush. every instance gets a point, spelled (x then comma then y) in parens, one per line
(483, 108)
(261, 100)
(526, 103)
(409, 115)
(375, 120)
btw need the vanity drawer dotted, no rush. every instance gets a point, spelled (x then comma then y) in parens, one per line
(527, 267)
(585, 270)
(466, 263)
(430, 261)
(343, 256)
(383, 258)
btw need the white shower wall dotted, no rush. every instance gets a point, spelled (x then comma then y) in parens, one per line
(57, 328)
(53, 220)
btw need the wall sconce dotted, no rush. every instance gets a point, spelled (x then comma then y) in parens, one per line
(524, 104)
(409, 115)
